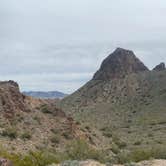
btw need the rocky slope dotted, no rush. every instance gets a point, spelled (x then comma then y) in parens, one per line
(31, 124)
(125, 101)
(10, 98)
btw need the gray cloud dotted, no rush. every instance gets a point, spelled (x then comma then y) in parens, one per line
(58, 45)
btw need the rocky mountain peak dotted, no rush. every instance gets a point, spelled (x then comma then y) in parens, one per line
(118, 64)
(160, 67)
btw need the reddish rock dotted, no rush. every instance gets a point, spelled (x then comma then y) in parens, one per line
(11, 99)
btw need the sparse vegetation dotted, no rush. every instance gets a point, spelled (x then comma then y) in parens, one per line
(40, 158)
(80, 150)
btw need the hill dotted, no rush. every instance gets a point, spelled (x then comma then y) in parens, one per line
(29, 124)
(45, 95)
(126, 102)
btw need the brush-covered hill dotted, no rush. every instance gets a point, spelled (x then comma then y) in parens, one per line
(125, 101)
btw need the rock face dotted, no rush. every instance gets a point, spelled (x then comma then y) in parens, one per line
(11, 100)
(160, 67)
(118, 64)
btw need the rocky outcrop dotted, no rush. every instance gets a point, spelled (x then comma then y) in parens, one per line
(118, 64)
(160, 67)
(11, 100)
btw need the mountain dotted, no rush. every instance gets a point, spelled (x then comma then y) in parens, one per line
(125, 101)
(46, 95)
(118, 116)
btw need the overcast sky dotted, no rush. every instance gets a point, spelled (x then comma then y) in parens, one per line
(59, 44)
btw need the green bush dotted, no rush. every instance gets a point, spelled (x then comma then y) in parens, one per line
(137, 143)
(10, 132)
(26, 136)
(55, 139)
(106, 132)
(37, 119)
(44, 108)
(67, 135)
(114, 148)
(121, 144)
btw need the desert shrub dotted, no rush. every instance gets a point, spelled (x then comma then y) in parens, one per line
(150, 135)
(36, 118)
(55, 130)
(107, 132)
(67, 135)
(121, 144)
(26, 136)
(114, 148)
(80, 150)
(55, 139)
(137, 143)
(10, 132)
(87, 127)
(44, 108)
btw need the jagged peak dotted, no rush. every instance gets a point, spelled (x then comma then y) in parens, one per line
(160, 67)
(10, 82)
(118, 64)
(123, 51)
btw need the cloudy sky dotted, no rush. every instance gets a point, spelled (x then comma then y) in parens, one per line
(59, 44)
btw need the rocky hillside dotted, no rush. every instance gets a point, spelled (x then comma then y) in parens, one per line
(33, 124)
(125, 101)
(10, 98)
